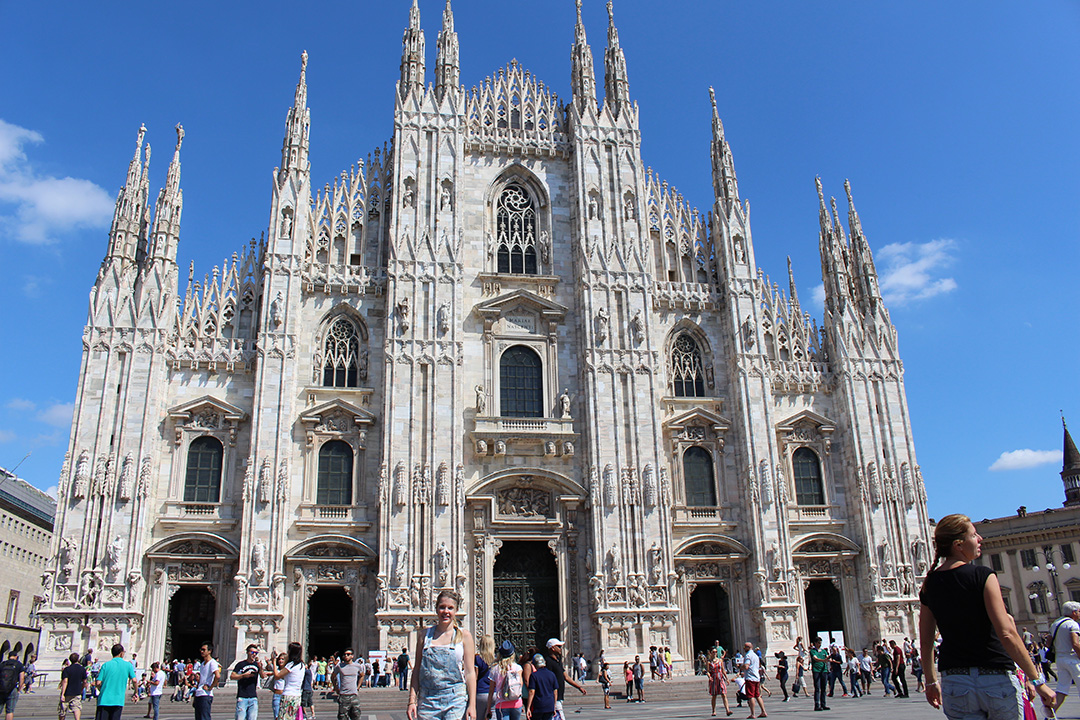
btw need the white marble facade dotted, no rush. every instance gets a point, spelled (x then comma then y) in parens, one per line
(328, 410)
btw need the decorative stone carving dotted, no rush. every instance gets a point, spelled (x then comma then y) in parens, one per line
(614, 563)
(603, 320)
(637, 328)
(609, 486)
(656, 565)
(277, 592)
(524, 502)
(442, 485)
(277, 311)
(82, 476)
(134, 589)
(266, 482)
(126, 483)
(441, 563)
(401, 483)
(637, 591)
(906, 485)
(919, 555)
(481, 400)
(596, 585)
(442, 318)
(241, 593)
(401, 563)
(874, 484)
(402, 310)
(648, 484)
(752, 485)
(421, 484)
(766, 484)
(564, 404)
(631, 490)
(114, 559)
(886, 560)
(258, 562)
(66, 559)
(283, 480)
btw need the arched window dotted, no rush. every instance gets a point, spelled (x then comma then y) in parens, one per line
(698, 477)
(341, 354)
(686, 370)
(203, 480)
(521, 387)
(806, 467)
(335, 474)
(515, 228)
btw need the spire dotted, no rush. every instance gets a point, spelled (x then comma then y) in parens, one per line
(616, 83)
(170, 202)
(725, 183)
(854, 224)
(862, 258)
(412, 54)
(582, 73)
(130, 217)
(294, 150)
(791, 288)
(823, 213)
(1070, 468)
(447, 68)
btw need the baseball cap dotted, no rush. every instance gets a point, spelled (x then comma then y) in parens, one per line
(554, 642)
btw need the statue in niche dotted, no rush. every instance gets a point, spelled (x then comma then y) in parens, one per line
(443, 318)
(596, 584)
(277, 593)
(481, 400)
(628, 208)
(918, 554)
(740, 250)
(564, 404)
(593, 207)
(277, 310)
(407, 196)
(656, 566)
(602, 322)
(637, 328)
(113, 554)
(637, 591)
(775, 561)
(241, 593)
(380, 592)
(445, 201)
(286, 224)
(258, 562)
(363, 369)
(403, 314)
(614, 566)
(442, 565)
(401, 563)
(66, 558)
(887, 564)
(134, 588)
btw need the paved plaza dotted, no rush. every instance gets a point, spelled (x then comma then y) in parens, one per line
(681, 699)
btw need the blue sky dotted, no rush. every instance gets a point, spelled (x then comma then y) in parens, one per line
(955, 122)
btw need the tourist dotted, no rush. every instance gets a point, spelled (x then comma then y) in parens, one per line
(718, 681)
(800, 677)
(866, 670)
(752, 675)
(553, 657)
(72, 682)
(1042, 652)
(899, 669)
(628, 677)
(543, 686)
(604, 678)
(654, 663)
(209, 676)
(11, 679)
(639, 678)
(782, 672)
(246, 673)
(485, 658)
(443, 685)
(836, 669)
(851, 665)
(403, 667)
(505, 684)
(917, 671)
(346, 678)
(114, 677)
(1065, 640)
(292, 672)
(819, 669)
(980, 643)
(277, 685)
(28, 674)
(155, 687)
(307, 695)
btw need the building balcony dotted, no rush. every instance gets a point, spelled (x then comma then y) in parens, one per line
(332, 517)
(550, 437)
(178, 515)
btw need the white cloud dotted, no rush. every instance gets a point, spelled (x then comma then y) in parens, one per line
(36, 209)
(33, 285)
(914, 271)
(58, 415)
(6, 436)
(817, 297)
(1023, 459)
(51, 491)
(20, 404)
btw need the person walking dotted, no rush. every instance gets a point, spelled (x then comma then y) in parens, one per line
(899, 669)
(885, 668)
(346, 678)
(72, 682)
(246, 673)
(718, 681)
(836, 670)
(752, 676)
(543, 687)
(443, 685)
(979, 643)
(1065, 640)
(505, 686)
(800, 677)
(156, 686)
(291, 672)
(12, 676)
(851, 664)
(782, 672)
(403, 667)
(553, 657)
(113, 679)
(819, 669)
(209, 676)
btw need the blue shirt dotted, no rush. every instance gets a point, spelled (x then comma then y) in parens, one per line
(544, 682)
(114, 677)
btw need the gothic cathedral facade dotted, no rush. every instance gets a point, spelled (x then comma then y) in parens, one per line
(503, 357)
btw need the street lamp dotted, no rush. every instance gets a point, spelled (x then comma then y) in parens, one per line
(1048, 555)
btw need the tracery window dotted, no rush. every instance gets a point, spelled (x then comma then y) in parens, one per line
(521, 386)
(686, 369)
(698, 478)
(202, 483)
(515, 227)
(341, 352)
(805, 466)
(334, 484)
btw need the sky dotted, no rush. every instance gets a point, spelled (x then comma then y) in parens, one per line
(955, 122)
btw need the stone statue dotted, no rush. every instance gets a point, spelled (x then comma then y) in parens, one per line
(380, 592)
(277, 592)
(775, 561)
(444, 198)
(277, 310)
(113, 559)
(286, 224)
(918, 554)
(297, 576)
(46, 586)
(564, 404)
(407, 197)
(258, 562)
(596, 584)
(637, 328)
(403, 314)
(593, 207)
(66, 559)
(887, 564)
(602, 322)
(401, 564)
(656, 566)
(740, 250)
(614, 566)
(637, 591)
(481, 447)
(443, 318)
(442, 565)
(628, 208)
(481, 400)
(414, 593)
(241, 592)
(82, 476)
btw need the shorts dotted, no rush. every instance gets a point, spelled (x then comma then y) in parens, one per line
(9, 701)
(639, 683)
(1068, 671)
(752, 689)
(68, 705)
(307, 698)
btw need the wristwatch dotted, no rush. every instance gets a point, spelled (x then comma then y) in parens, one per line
(1038, 681)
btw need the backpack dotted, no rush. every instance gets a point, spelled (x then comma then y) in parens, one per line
(510, 684)
(9, 677)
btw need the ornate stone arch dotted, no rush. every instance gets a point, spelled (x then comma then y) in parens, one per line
(704, 349)
(330, 322)
(520, 176)
(201, 545)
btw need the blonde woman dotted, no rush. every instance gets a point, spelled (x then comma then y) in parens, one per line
(485, 658)
(443, 685)
(506, 686)
(292, 673)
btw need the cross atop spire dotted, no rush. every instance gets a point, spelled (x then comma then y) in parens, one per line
(616, 82)
(582, 73)
(131, 217)
(412, 54)
(447, 67)
(170, 202)
(725, 183)
(294, 149)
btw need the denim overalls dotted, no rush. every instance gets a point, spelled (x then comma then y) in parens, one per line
(442, 682)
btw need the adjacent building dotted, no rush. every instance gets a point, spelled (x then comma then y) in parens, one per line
(502, 356)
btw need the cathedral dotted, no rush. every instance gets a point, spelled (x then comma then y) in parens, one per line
(500, 356)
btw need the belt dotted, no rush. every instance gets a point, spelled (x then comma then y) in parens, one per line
(979, 670)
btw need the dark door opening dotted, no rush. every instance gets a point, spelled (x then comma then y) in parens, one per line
(824, 609)
(330, 628)
(710, 617)
(525, 594)
(191, 622)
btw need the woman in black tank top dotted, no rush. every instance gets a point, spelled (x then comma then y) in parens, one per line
(980, 646)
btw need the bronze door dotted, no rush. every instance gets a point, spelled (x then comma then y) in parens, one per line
(525, 598)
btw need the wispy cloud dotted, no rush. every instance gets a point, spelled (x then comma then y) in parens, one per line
(817, 297)
(21, 405)
(915, 271)
(6, 436)
(51, 491)
(58, 415)
(33, 285)
(1024, 459)
(36, 208)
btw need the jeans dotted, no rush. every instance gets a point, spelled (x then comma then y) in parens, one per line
(854, 677)
(983, 697)
(155, 701)
(508, 713)
(403, 679)
(246, 708)
(885, 680)
(275, 703)
(901, 680)
(202, 704)
(819, 688)
(834, 675)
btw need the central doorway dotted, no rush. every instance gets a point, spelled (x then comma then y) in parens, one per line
(525, 594)
(330, 627)
(824, 609)
(710, 617)
(191, 622)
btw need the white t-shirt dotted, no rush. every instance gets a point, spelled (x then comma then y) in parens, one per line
(866, 663)
(1063, 640)
(160, 687)
(753, 667)
(294, 680)
(206, 677)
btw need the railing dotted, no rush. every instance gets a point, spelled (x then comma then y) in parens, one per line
(199, 509)
(332, 512)
(698, 514)
(550, 426)
(812, 512)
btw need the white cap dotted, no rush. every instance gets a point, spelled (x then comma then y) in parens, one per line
(554, 641)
